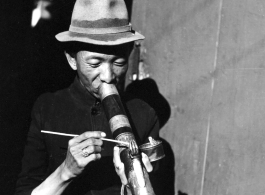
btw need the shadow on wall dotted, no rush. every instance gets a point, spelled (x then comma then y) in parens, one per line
(181, 193)
(163, 179)
(147, 91)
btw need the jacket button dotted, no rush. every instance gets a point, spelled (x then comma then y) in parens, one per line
(94, 111)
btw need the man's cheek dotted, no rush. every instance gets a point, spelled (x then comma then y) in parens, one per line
(121, 72)
(96, 82)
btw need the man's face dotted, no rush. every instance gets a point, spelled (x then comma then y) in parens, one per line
(101, 65)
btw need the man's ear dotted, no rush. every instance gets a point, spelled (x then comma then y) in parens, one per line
(71, 60)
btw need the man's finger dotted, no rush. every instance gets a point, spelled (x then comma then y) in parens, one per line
(89, 134)
(119, 166)
(93, 157)
(116, 156)
(147, 162)
(91, 150)
(89, 142)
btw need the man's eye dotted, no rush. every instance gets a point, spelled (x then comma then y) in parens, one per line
(94, 62)
(120, 62)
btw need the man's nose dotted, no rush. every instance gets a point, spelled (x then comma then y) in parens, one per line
(107, 74)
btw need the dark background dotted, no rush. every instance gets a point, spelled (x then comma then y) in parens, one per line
(32, 62)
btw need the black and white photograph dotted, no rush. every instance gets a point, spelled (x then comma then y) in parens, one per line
(132, 97)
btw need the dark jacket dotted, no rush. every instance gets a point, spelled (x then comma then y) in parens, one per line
(74, 110)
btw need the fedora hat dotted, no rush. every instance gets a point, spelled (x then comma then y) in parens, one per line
(100, 22)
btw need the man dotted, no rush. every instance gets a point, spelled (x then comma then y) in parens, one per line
(97, 47)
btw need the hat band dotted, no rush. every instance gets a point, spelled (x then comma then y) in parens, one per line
(110, 30)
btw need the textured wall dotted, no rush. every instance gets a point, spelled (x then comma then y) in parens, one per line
(208, 58)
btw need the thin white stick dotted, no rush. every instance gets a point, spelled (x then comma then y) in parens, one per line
(57, 133)
(112, 140)
(74, 135)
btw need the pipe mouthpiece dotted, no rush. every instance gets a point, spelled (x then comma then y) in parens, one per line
(106, 89)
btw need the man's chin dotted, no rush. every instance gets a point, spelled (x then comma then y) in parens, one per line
(94, 93)
(96, 96)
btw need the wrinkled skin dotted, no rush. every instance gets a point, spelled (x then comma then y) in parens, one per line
(75, 162)
(100, 64)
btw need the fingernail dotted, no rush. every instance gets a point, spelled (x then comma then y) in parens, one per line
(103, 134)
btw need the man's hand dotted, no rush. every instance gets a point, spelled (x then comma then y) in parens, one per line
(119, 166)
(81, 150)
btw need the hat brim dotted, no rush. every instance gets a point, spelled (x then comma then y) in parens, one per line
(100, 39)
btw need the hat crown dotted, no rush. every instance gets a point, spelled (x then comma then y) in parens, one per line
(100, 22)
(99, 14)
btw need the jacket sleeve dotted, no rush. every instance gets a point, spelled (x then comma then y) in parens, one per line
(34, 162)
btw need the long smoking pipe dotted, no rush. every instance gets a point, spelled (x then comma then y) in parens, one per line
(137, 176)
